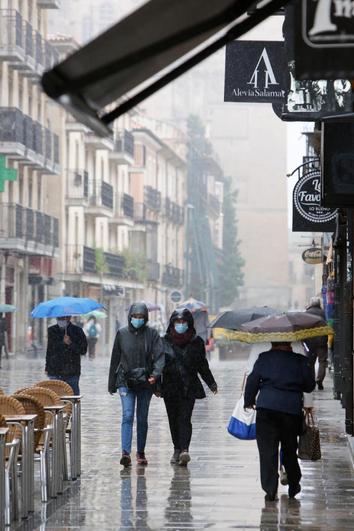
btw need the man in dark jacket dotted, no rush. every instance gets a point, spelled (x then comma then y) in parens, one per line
(281, 377)
(317, 347)
(137, 362)
(66, 344)
(185, 360)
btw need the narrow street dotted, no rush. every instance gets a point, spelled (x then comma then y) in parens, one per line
(221, 487)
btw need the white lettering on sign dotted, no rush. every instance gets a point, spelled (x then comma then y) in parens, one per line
(269, 76)
(322, 19)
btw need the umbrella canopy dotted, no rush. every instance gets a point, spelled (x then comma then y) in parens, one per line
(64, 306)
(233, 319)
(289, 326)
(193, 305)
(7, 308)
(96, 313)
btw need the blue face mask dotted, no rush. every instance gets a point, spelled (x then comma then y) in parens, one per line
(181, 328)
(137, 323)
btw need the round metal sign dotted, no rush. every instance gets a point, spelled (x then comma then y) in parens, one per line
(307, 197)
(176, 296)
(313, 256)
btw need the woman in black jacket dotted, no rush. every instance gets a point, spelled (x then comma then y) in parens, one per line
(184, 359)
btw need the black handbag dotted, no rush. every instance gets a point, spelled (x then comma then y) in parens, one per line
(137, 378)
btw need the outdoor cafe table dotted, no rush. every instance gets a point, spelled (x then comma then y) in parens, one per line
(75, 453)
(56, 486)
(27, 444)
(3, 432)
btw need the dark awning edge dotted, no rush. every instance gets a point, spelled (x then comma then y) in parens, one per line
(68, 93)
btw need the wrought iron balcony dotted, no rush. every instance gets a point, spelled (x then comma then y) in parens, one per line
(50, 55)
(128, 205)
(115, 264)
(152, 198)
(89, 260)
(12, 132)
(28, 231)
(100, 199)
(123, 152)
(214, 204)
(174, 212)
(172, 277)
(153, 271)
(11, 35)
(49, 4)
(80, 259)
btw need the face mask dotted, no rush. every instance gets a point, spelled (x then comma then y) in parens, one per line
(62, 323)
(181, 328)
(137, 323)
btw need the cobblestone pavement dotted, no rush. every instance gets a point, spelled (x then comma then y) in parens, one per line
(219, 490)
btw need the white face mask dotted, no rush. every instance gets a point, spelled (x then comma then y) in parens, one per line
(62, 323)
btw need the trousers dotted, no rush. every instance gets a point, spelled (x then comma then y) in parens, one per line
(274, 428)
(73, 381)
(320, 353)
(142, 399)
(179, 411)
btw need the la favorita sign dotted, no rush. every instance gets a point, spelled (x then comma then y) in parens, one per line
(255, 71)
(308, 214)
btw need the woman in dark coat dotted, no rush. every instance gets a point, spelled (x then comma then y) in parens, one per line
(185, 358)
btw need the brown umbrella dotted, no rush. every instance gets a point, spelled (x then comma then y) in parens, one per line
(289, 326)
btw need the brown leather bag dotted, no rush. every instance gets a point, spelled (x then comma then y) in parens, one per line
(309, 442)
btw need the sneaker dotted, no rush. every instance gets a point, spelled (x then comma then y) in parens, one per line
(175, 457)
(293, 490)
(320, 386)
(283, 476)
(184, 458)
(125, 459)
(141, 459)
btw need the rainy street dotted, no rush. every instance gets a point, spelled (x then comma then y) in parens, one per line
(219, 490)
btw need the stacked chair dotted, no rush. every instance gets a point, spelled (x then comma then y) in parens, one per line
(11, 406)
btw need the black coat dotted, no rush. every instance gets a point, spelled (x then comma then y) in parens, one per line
(182, 366)
(314, 343)
(133, 349)
(281, 377)
(62, 359)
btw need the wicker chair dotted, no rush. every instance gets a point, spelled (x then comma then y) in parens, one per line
(2, 392)
(10, 406)
(42, 436)
(61, 389)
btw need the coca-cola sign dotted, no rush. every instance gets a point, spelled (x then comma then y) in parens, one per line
(313, 256)
(308, 214)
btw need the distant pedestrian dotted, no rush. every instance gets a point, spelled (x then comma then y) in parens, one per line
(317, 347)
(185, 360)
(66, 344)
(93, 331)
(3, 338)
(280, 376)
(137, 362)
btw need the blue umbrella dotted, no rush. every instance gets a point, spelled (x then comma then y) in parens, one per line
(64, 306)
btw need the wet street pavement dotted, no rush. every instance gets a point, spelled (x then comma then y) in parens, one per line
(219, 490)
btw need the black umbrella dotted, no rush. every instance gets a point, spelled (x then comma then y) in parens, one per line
(145, 51)
(233, 319)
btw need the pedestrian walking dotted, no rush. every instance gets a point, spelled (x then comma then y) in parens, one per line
(92, 330)
(185, 358)
(137, 362)
(66, 344)
(3, 332)
(280, 376)
(317, 347)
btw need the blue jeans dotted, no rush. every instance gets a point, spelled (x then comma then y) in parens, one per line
(73, 381)
(128, 398)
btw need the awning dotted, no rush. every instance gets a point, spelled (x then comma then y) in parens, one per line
(138, 56)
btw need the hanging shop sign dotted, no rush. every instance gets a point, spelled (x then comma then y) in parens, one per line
(255, 72)
(176, 296)
(313, 256)
(308, 214)
(324, 39)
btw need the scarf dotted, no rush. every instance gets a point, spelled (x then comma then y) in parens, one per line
(181, 340)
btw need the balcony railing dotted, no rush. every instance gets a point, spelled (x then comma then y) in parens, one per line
(11, 35)
(49, 4)
(153, 271)
(78, 185)
(50, 55)
(12, 125)
(152, 198)
(123, 151)
(21, 228)
(115, 264)
(127, 205)
(101, 195)
(172, 277)
(174, 212)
